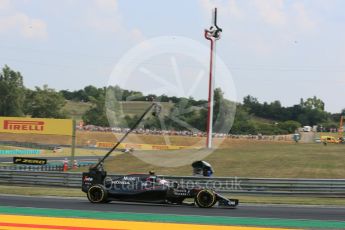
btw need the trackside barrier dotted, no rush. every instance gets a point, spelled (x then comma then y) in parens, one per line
(31, 168)
(255, 186)
(42, 146)
(19, 151)
(48, 167)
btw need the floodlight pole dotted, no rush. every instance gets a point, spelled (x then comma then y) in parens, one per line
(212, 34)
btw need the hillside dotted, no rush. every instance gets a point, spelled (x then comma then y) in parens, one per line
(76, 110)
(136, 108)
(252, 117)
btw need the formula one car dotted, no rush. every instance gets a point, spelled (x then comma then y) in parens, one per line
(147, 188)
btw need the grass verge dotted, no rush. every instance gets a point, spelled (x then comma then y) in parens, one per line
(40, 191)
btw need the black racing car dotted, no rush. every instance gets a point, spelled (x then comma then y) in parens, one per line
(147, 188)
(144, 188)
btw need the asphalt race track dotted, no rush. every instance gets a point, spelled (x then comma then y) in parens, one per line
(257, 211)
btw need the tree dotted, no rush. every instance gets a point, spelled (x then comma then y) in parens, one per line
(182, 116)
(289, 126)
(243, 123)
(250, 100)
(252, 104)
(275, 110)
(96, 115)
(314, 103)
(67, 94)
(80, 95)
(269, 129)
(224, 112)
(11, 93)
(91, 91)
(45, 102)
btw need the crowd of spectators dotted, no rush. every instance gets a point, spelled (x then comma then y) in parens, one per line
(92, 128)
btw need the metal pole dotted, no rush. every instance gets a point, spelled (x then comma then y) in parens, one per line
(73, 141)
(210, 97)
(212, 35)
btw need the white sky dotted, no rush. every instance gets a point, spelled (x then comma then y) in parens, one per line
(275, 49)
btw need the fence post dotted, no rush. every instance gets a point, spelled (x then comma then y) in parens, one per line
(73, 140)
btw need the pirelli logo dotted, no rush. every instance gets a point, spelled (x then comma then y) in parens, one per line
(28, 125)
(24, 125)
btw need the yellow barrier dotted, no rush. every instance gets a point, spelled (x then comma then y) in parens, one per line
(142, 146)
(36, 125)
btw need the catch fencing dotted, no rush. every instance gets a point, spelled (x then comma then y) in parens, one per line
(235, 185)
(59, 167)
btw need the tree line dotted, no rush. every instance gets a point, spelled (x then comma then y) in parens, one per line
(251, 117)
(17, 100)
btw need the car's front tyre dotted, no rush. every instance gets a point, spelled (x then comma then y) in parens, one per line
(205, 198)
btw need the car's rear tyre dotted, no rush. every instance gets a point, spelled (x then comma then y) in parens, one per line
(205, 198)
(97, 194)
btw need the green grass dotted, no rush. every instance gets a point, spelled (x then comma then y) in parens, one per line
(305, 200)
(253, 159)
(40, 191)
